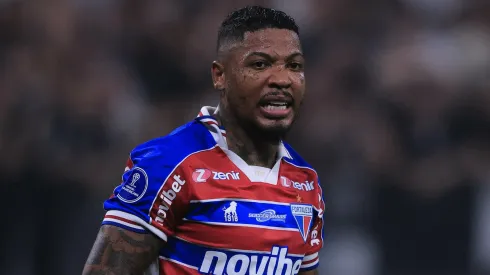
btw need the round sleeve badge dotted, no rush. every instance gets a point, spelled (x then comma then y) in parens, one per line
(134, 187)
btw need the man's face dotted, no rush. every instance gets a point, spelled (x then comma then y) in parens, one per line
(264, 80)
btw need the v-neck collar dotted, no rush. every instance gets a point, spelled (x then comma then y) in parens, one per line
(219, 135)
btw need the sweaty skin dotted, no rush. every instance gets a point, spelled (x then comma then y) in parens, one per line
(266, 63)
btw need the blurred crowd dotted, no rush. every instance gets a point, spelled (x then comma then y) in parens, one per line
(396, 121)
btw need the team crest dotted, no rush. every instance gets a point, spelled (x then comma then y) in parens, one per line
(303, 214)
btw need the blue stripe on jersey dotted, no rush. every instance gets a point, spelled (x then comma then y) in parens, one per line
(220, 261)
(246, 213)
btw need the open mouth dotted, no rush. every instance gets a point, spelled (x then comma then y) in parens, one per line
(276, 105)
(276, 108)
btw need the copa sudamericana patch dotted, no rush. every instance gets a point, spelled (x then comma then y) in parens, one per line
(134, 187)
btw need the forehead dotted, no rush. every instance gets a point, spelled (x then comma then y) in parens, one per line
(279, 41)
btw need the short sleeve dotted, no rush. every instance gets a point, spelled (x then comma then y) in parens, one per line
(315, 240)
(153, 195)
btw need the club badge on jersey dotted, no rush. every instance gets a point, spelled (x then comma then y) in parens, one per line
(303, 214)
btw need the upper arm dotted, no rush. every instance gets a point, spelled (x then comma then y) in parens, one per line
(120, 251)
(309, 272)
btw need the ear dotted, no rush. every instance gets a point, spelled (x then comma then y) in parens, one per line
(218, 75)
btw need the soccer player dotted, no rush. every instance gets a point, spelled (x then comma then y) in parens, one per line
(224, 194)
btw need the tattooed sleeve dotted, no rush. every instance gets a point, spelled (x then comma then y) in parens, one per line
(122, 252)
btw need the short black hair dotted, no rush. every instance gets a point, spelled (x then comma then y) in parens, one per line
(250, 19)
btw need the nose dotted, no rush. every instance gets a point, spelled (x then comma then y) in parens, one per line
(279, 78)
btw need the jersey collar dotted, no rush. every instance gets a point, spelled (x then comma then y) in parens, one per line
(205, 116)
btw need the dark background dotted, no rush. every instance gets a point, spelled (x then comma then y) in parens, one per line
(396, 121)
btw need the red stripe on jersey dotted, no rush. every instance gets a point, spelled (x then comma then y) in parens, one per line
(310, 261)
(240, 237)
(121, 219)
(170, 267)
(130, 163)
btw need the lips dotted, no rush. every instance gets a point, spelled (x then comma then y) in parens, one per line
(276, 106)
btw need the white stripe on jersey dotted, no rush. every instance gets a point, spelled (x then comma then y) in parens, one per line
(310, 264)
(124, 223)
(139, 221)
(310, 257)
(177, 262)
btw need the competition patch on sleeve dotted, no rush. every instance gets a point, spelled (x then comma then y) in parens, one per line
(134, 186)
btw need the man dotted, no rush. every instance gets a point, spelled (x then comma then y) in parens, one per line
(205, 200)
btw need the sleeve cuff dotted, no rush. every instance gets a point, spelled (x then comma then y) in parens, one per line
(310, 262)
(131, 222)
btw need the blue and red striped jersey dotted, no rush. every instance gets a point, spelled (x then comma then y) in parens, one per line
(216, 213)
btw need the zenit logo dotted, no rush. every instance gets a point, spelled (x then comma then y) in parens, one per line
(303, 186)
(202, 175)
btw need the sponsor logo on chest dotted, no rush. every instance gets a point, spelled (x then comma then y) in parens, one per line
(302, 186)
(168, 197)
(203, 175)
(266, 215)
(276, 262)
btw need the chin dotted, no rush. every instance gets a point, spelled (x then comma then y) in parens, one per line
(275, 129)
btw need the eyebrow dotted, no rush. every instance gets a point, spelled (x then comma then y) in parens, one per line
(269, 57)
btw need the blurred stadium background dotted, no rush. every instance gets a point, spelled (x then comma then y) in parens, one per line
(396, 121)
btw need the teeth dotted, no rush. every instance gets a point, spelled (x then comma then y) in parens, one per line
(274, 107)
(278, 103)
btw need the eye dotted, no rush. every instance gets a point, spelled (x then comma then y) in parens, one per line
(259, 64)
(295, 66)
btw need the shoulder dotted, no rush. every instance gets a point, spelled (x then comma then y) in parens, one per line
(173, 148)
(297, 160)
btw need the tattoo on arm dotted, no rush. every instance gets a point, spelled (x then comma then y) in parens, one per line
(311, 272)
(122, 252)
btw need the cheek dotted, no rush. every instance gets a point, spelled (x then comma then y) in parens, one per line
(299, 85)
(248, 79)
(247, 85)
(301, 79)
(238, 92)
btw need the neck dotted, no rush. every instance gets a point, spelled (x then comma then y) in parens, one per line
(253, 149)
